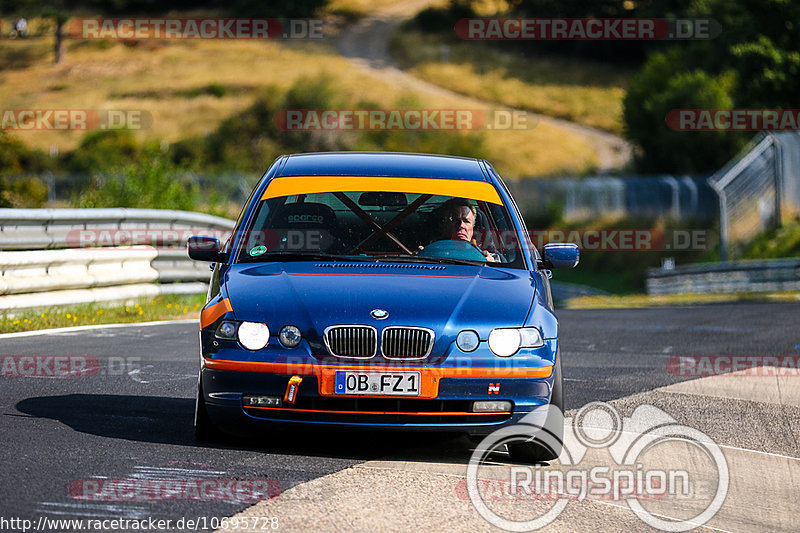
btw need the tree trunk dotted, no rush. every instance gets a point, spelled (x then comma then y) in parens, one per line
(59, 50)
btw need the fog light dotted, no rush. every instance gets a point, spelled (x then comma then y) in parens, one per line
(491, 406)
(262, 401)
(467, 341)
(290, 336)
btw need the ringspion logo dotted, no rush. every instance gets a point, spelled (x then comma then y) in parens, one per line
(671, 476)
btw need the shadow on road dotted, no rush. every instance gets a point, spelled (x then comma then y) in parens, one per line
(165, 420)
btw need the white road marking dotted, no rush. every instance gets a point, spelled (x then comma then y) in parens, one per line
(93, 510)
(72, 329)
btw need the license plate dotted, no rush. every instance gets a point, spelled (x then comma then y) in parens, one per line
(379, 383)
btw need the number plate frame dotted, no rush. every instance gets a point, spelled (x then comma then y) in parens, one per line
(377, 383)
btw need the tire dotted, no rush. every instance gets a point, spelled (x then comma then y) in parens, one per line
(204, 429)
(535, 451)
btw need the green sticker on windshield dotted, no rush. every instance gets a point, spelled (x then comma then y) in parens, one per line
(258, 250)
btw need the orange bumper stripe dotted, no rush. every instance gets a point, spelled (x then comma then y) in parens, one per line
(288, 185)
(317, 369)
(429, 377)
(211, 313)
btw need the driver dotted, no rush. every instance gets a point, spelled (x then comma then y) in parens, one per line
(458, 223)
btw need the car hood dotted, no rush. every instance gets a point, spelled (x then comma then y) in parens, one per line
(445, 298)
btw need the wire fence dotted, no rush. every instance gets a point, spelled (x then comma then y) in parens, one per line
(66, 189)
(677, 197)
(758, 190)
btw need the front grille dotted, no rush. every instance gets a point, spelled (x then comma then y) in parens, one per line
(401, 342)
(354, 342)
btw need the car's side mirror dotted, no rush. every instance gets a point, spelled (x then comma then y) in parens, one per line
(560, 255)
(203, 248)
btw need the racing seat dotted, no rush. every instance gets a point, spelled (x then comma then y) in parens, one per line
(305, 227)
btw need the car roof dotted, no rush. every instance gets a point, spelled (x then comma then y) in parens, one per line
(388, 164)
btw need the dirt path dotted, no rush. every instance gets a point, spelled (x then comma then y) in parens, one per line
(365, 44)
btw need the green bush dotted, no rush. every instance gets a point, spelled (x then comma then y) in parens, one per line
(152, 182)
(28, 192)
(246, 142)
(103, 150)
(662, 86)
(780, 242)
(17, 158)
(436, 19)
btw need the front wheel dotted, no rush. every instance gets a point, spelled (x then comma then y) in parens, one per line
(547, 443)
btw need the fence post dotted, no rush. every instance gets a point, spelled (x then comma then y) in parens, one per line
(778, 167)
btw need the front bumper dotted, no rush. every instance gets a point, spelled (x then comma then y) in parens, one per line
(447, 408)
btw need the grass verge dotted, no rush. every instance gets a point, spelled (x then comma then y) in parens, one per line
(165, 307)
(633, 301)
(589, 93)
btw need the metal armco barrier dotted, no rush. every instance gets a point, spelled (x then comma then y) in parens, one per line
(68, 256)
(761, 275)
(40, 229)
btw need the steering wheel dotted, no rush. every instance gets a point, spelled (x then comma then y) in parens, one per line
(453, 249)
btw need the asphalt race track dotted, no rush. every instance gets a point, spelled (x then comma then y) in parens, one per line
(129, 425)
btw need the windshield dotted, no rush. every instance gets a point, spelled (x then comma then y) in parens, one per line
(373, 226)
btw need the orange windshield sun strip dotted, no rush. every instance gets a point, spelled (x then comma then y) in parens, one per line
(289, 185)
(316, 370)
(211, 313)
(425, 413)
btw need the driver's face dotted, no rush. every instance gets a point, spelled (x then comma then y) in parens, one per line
(461, 223)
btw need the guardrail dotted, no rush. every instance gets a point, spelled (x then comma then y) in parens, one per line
(49, 270)
(40, 229)
(74, 255)
(760, 275)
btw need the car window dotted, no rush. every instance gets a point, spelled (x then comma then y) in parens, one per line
(376, 224)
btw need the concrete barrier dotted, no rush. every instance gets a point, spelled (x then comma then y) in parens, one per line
(49, 270)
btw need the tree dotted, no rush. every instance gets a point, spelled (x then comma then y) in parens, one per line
(753, 64)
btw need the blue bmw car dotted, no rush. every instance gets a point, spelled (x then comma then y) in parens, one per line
(379, 290)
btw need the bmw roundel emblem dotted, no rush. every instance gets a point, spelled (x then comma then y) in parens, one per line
(379, 314)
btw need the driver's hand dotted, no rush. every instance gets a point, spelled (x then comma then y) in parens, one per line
(488, 256)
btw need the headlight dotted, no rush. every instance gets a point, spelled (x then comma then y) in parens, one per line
(467, 341)
(531, 338)
(290, 336)
(505, 342)
(253, 335)
(226, 330)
